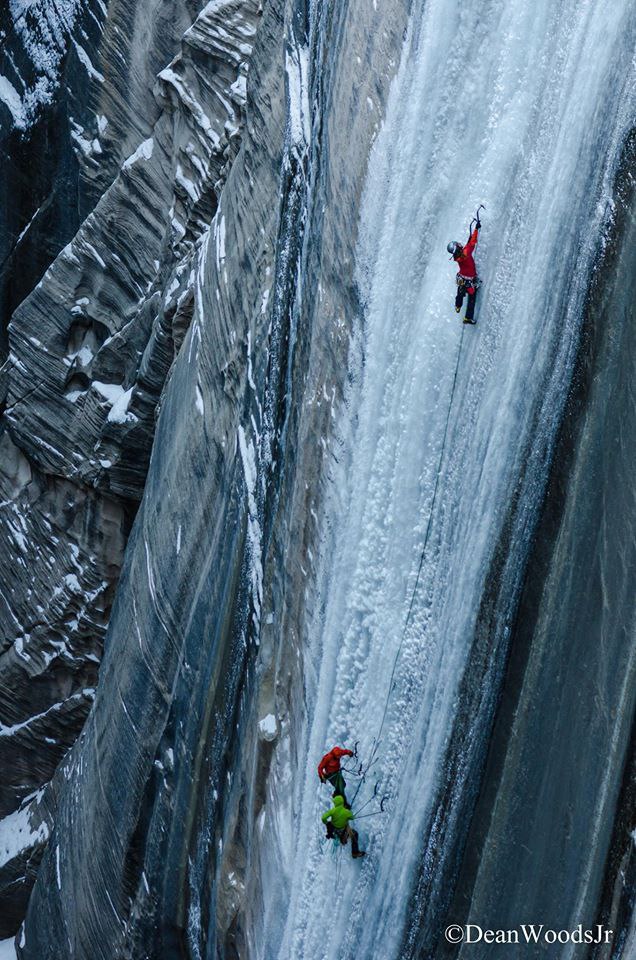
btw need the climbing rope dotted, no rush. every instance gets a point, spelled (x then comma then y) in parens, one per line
(376, 742)
(364, 769)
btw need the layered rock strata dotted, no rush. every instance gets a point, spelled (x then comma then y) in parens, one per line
(168, 778)
(76, 99)
(90, 351)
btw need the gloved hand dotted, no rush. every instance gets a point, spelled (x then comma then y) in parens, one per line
(479, 224)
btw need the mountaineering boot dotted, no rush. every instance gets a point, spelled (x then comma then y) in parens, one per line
(358, 854)
(466, 320)
(457, 309)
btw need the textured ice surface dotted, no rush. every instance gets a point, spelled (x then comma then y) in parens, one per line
(531, 127)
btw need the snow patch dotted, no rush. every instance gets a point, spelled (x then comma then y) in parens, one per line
(11, 99)
(188, 185)
(268, 727)
(85, 60)
(250, 472)
(45, 30)
(88, 146)
(17, 834)
(119, 400)
(143, 152)
(74, 395)
(239, 90)
(91, 249)
(199, 400)
(265, 300)
(297, 69)
(119, 410)
(219, 231)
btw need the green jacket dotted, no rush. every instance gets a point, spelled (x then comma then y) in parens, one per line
(339, 814)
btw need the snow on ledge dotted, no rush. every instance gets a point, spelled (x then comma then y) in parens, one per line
(119, 400)
(17, 835)
(143, 152)
(268, 727)
(11, 99)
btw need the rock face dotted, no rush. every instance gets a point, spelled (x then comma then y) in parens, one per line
(90, 351)
(251, 393)
(75, 100)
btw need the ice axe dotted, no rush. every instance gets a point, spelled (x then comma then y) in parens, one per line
(476, 218)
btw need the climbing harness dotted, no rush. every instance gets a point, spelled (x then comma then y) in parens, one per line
(475, 282)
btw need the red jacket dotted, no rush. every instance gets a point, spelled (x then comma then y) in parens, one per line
(330, 763)
(465, 260)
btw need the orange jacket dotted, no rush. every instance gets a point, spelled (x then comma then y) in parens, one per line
(330, 763)
(464, 260)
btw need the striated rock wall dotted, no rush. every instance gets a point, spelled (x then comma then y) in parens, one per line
(90, 351)
(76, 99)
(202, 672)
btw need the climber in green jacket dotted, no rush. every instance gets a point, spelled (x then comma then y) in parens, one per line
(338, 826)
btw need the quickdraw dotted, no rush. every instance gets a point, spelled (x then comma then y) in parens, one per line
(375, 813)
(363, 771)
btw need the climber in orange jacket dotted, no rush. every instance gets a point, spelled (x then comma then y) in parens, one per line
(329, 770)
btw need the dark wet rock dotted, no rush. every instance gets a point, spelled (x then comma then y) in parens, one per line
(90, 352)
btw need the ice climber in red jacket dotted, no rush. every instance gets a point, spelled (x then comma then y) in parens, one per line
(467, 279)
(329, 771)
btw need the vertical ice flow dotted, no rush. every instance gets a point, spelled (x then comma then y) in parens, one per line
(523, 107)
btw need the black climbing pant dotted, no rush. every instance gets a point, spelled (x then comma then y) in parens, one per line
(464, 288)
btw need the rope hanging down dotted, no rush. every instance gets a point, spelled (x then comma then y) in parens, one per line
(376, 741)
